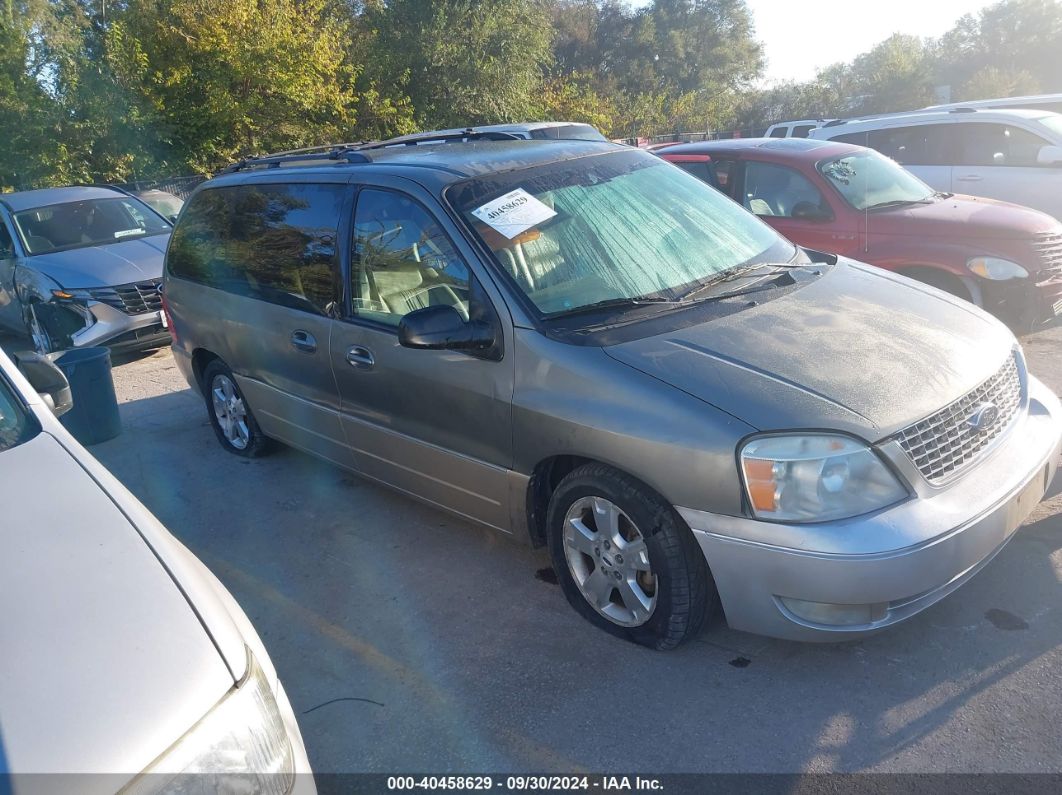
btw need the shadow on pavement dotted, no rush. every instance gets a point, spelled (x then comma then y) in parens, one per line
(410, 640)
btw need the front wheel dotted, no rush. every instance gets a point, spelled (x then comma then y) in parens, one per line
(626, 560)
(230, 416)
(42, 340)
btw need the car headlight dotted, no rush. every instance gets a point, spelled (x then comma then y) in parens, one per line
(815, 478)
(998, 270)
(72, 295)
(240, 746)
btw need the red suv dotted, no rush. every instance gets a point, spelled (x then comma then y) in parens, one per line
(850, 200)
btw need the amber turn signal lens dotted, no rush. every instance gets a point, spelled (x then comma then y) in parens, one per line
(758, 469)
(761, 492)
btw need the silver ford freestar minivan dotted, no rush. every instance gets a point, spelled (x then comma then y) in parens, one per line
(579, 344)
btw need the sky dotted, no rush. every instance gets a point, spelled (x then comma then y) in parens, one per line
(802, 37)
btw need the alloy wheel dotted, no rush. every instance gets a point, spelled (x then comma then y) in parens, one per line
(230, 411)
(609, 561)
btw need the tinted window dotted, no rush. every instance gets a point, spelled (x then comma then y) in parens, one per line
(403, 261)
(778, 191)
(274, 242)
(723, 169)
(919, 145)
(980, 144)
(7, 248)
(802, 130)
(701, 170)
(777, 132)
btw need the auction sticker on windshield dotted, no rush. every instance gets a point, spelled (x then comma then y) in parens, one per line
(515, 212)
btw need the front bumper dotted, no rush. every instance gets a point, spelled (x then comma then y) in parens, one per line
(891, 564)
(116, 329)
(1022, 304)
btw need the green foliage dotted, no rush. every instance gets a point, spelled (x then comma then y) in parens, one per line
(175, 86)
(463, 61)
(219, 80)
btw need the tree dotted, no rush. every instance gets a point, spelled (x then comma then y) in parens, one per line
(216, 81)
(463, 61)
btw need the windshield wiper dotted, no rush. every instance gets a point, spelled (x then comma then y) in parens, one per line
(610, 303)
(897, 203)
(734, 274)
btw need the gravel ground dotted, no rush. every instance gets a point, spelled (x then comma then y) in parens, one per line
(409, 640)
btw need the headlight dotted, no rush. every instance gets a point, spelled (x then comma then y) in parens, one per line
(815, 478)
(998, 270)
(240, 746)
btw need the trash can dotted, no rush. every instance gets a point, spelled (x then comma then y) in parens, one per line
(94, 417)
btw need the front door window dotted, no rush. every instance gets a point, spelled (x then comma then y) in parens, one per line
(403, 261)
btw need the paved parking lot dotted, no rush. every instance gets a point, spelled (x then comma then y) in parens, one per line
(409, 640)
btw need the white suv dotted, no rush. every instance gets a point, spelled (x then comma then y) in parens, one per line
(793, 129)
(1011, 155)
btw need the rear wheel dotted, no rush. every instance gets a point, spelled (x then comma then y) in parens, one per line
(230, 416)
(626, 560)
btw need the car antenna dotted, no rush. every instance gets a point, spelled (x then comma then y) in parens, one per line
(866, 205)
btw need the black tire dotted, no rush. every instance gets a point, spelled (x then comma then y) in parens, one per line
(38, 334)
(942, 280)
(257, 444)
(684, 591)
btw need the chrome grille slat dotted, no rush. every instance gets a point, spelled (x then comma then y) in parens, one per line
(943, 444)
(133, 299)
(1049, 249)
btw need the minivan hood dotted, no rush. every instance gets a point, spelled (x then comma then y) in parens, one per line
(963, 218)
(104, 266)
(104, 662)
(858, 350)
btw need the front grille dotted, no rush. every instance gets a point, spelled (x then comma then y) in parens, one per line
(944, 444)
(1049, 249)
(133, 299)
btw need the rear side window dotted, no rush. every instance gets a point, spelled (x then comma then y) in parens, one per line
(802, 130)
(272, 242)
(702, 170)
(917, 145)
(777, 132)
(980, 144)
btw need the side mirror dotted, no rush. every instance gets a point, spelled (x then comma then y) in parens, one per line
(1049, 156)
(173, 218)
(48, 380)
(441, 327)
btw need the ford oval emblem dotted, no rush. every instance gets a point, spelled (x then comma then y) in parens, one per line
(982, 417)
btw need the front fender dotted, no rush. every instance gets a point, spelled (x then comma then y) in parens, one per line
(571, 400)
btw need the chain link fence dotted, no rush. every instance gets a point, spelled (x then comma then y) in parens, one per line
(178, 186)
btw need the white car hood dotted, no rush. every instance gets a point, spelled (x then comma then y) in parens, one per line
(104, 663)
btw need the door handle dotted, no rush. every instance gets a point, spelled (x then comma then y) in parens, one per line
(360, 357)
(970, 178)
(303, 341)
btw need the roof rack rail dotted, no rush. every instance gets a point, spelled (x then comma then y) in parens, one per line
(334, 152)
(836, 122)
(468, 134)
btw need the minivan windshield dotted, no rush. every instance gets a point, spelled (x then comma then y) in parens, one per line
(93, 222)
(869, 181)
(609, 228)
